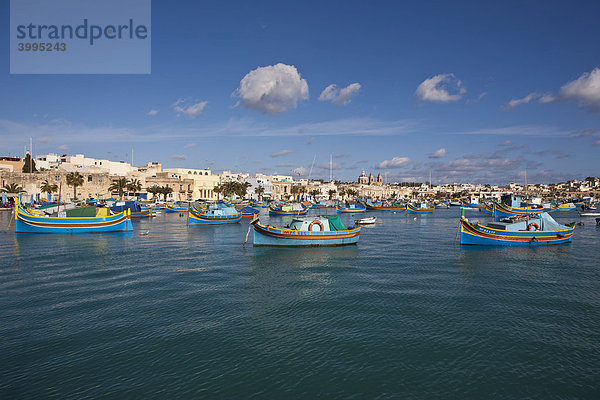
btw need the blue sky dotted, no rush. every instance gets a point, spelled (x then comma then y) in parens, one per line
(471, 91)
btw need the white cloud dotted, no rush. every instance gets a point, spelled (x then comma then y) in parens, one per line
(272, 89)
(342, 96)
(152, 112)
(179, 157)
(438, 153)
(64, 147)
(437, 89)
(396, 162)
(280, 153)
(547, 98)
(585, 90)
(191, 110)
(189, 145)
(516, 102)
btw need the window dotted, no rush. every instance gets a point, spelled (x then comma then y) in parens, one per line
(206, 173)
(57, 177)
(99, 179)
(89, 178)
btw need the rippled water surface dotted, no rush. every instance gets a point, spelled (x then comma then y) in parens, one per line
(190, 313)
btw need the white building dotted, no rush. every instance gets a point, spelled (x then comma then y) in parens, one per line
(81, 163)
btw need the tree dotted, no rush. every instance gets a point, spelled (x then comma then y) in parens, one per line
(314, 193)
(48, 187)
(119, 185)
(134, 186)
(29, 164)
(154, 190)
(259, 191)
(13, 188)
(74, 179)
(342, 192)
(165, 191)
(218, 190)
(351, 192)
(331, 193)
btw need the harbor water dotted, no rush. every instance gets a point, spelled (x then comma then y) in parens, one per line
(406, 313)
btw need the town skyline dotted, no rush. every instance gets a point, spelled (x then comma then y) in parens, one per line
(480, 93)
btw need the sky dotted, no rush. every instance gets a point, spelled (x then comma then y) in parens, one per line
(464, 91)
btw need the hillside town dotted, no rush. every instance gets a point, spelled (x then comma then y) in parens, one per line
(81, 177)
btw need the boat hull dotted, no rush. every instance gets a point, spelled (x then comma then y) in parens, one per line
(357, 209)
(171, 209)
(371, 207)
(475, 234)
(503, 211)
(273, 236)
(414, 210)
(196, 218)
(27, 223)
(278, 212)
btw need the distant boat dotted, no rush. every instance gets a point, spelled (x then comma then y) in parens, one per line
(249, 212)
(29, 222)
(419, 209)
(306, 231)
(541, 229)
(386, 206)
(176, 208)
(136, 210)
(565, 207)
(214, 215)
(365, 221)
(287, 209)
(589, 214)
(442, 205)
(350, 208)
(260, 204)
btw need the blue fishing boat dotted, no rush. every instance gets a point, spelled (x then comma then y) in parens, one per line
(350, 207)
(287, 209)
(259, 204)
(249, 212)
(176, 208)
(422, 208)
(534, 230)
(136, 210)
(387, 206)
(31, 222)
(510, 206)
(214, 215)
(306, 231)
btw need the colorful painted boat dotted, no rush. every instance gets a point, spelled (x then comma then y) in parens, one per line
(176, 208)
(504, 210)
(489, 208)
(520, 231)
(420, 209)
(27, 222)
(306, 231)
(260, 204)
(442, 205)
(249, 212)
(565, 207)
(290, 209)
(136, 210)
(350, 208)
(214, 215)
(385, 207)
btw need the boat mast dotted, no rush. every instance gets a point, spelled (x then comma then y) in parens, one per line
(330, 168)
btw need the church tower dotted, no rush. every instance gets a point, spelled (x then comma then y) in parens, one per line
(362, 179)
(379, 179)
(371, 179)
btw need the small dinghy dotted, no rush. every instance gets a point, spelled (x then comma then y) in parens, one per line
(365, 221)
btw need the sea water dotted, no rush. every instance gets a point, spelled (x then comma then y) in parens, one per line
(408, 312)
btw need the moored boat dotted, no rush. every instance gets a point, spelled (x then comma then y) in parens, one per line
(510, 206)
(350, 207)
(287, 209)
(394, 206)
(540, 229)
(441, 205)
(365, 221)
(419, 209)
(306, 231)
(30, 222)
(249, 212)
(565, 207)
(214, 215)
(176, 208)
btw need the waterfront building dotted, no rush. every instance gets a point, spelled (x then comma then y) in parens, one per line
(203, 185)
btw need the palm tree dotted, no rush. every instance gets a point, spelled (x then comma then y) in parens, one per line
(13, 188)
(154, 190)
(48, 187)
(74, 179)
(165, 191)
(259, 191)
(331, 193)
(134, 186)
(119, 185)
(314, 193)
(218, 189)
(342, 192)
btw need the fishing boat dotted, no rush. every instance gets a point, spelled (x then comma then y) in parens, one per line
(393, 206)
(365, 221)
(215, 215)
(540, 229)
(249, 212)
(589, 214)
(176, 208)
(260, 204)
(306, 231)
(489, 208)
(510, 206)
(350, 207)
(287, 209)
(422, 208)
(27, 221)
(136, 210)
(441, 205)
(565, 207)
